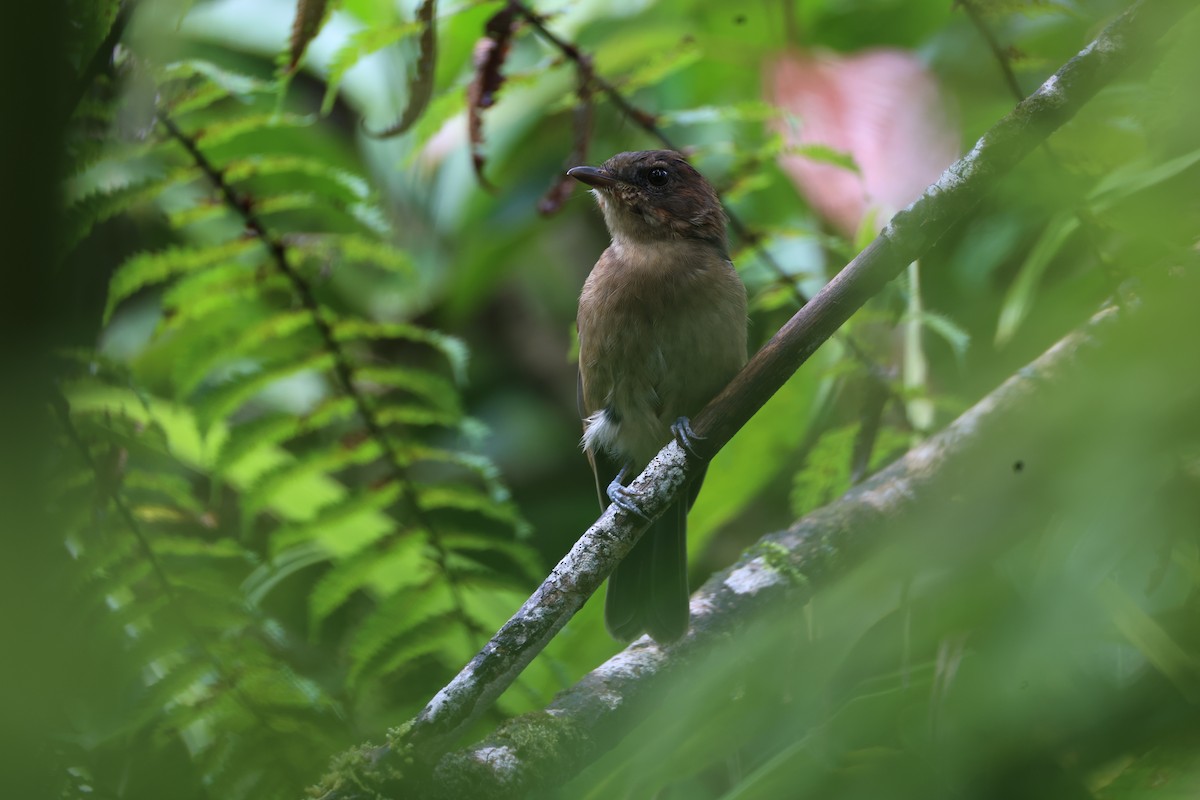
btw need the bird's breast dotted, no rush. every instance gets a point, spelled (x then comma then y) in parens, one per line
(662, 329)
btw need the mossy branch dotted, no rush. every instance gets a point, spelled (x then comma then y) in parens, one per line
(780, 573)
(414, 752)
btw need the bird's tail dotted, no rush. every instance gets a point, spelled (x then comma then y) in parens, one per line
(648, 591)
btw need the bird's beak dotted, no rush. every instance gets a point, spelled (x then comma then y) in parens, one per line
(593, 177)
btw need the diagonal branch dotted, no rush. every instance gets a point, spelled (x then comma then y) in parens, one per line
(910, 233)
(781, 572)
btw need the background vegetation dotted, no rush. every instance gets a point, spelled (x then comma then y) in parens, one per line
(312, 424)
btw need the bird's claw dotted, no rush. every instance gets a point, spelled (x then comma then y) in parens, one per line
(687, 438)
(622, 497)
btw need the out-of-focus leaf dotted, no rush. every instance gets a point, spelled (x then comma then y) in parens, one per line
(1021, 294)
(360, 45)
(420, 85)
(753, 457)
(310, 15)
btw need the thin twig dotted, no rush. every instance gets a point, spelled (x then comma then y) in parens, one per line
(1087, 222)
(1010, 77)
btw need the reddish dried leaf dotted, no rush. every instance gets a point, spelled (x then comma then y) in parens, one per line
(310, 14)
(490, 54)
(420, 85)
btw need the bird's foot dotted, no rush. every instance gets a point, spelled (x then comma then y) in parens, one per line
(622, 497)
(687, 438)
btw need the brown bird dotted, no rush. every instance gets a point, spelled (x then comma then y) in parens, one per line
(662, 329)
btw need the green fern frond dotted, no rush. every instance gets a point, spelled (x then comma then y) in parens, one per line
(462, 497)
(351, 248)
(452, 348)
(231, 288)
(826, 473)
(233, 84)
(382, 571)
(288, 477)
(87, 212)
(359, 46)
(176, 684)
(224, 399)
(409, 621)
(148, 269)
(373, 499)
(437, 636)
(277, 428)
(428, 386)
(416, 416)
(521, 556)
(227, 131)
(159, 484)
(319, 176)
(274, 337)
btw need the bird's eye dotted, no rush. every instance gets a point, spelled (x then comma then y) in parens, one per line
(658, 177)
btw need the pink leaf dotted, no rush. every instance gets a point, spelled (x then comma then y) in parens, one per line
(881, 107)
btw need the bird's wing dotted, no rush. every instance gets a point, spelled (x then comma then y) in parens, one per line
(581, 405)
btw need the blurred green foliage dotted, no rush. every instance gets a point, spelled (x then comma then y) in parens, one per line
(262, 575)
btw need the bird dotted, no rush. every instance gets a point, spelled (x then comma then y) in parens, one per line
(662, 329)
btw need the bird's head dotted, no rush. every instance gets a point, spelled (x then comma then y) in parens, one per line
(655, 195)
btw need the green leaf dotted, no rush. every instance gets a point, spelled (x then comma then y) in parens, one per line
(410, 625)
(754, 456)
(288, 479)
(522, 556)
(428, 386)
(403, 564)
(267, 337)
(461, 497)
(748, 111)
(151, 268)
(350, 248)
(361, 44)
(954, 334)
(274, 429)
(453, 349)
(345, 509)
(231, 84)
(99, 206)
(1021, 294)
(1138, 176)
(328, 181)
(269, 574)
(229, 130)
(1143, 632)
(824, 154)
(826, 472)
(222, 400)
